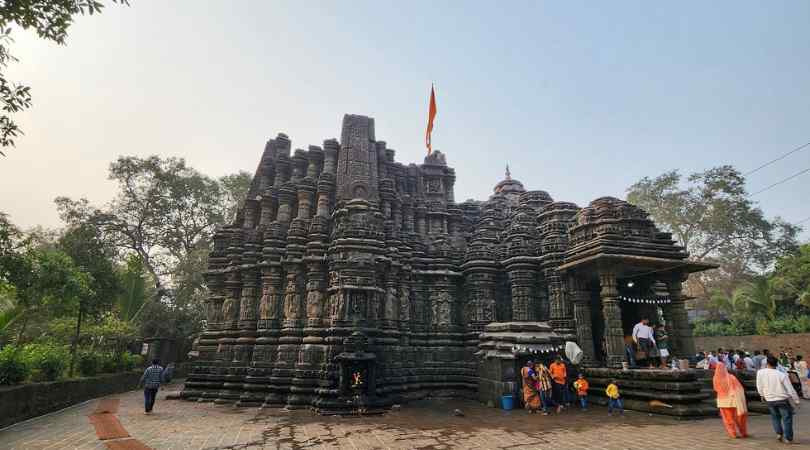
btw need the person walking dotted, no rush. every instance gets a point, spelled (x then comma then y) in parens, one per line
(731, 402)
(776, 391)
(544, 387)
(151, 379)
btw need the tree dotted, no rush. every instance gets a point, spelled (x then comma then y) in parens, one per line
(163, 208)
(45, 282)
(758, 297)
(50, 19)
(235, 188)
(713, 218)
(164, 213)
(791, 282)
(94, 257)
(134, 291)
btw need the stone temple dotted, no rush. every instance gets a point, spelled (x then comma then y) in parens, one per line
(350, 282)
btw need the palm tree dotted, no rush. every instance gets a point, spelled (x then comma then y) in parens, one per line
(758, 296)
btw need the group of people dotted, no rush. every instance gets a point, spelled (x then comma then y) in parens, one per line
(552, 388)
(773, 385)
(648, 346)
(795, 367)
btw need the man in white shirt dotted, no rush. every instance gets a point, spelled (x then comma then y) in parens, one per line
(776, 391)
(644, 337)
(749, 363)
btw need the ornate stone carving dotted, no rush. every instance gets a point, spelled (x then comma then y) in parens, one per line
(341, 238)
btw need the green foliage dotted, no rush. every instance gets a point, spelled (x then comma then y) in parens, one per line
(711, 215)
(784, 325)
(50, 19)
(164, 214)
(93, 363)
(46, 282)
(89, 363)
(13, 368)
(89, 252)
(106, 334)
(128, 361)
(235, 188)
(46, 361)
(134, 290)
(762, 326)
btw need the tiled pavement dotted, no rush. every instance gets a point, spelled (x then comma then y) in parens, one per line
(179, 425)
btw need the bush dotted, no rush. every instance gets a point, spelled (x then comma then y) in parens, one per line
(89, 363)
(47, 362)
(742, 327)
(110, 362)
(13, 367)
(130, 361)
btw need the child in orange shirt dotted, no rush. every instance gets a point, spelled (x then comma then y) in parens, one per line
(581, 385)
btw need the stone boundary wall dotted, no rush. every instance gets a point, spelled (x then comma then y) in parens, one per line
(24, 401)
(799, 343)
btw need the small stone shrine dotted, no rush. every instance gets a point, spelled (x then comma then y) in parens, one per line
(350, 282)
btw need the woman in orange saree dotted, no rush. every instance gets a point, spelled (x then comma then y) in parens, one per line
(531, 399)
(731, 402)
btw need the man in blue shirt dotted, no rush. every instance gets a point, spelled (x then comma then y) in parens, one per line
(151, 383)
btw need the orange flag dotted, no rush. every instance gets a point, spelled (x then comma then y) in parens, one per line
(431, 116)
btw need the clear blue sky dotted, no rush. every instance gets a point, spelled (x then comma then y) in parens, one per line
(582, 99)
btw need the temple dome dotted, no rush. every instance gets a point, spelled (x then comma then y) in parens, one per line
(509, 185)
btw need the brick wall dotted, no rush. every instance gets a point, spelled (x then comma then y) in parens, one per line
(799, 343)
(21, 402)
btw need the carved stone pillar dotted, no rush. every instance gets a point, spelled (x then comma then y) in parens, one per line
(269, 207)
(582, 316)
(408, 219)
(293, 310)
(315, 157)
(612, 315)
(677, 319)
(522, 282)
(272, 297)
(391, 308)
(480, 284)
(299, 167)
(306, 194)
(330, 150)
(283, 169)
(421, 221)
(250, 287)
(286, 195)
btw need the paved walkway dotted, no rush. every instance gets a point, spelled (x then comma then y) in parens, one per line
(180, 425)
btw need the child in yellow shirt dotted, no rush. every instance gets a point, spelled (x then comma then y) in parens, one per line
(614, 398)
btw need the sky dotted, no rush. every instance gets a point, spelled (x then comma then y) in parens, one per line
(581, 99)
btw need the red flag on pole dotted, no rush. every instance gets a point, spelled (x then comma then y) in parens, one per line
(431, 116)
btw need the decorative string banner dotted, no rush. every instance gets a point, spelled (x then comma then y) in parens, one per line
(647, 300)
(537, 349)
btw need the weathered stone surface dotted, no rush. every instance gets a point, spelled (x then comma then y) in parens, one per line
(342, 241)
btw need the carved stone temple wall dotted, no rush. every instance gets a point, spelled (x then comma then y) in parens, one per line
(344, 263)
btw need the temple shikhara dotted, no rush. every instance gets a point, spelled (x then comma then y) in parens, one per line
(350, 282)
